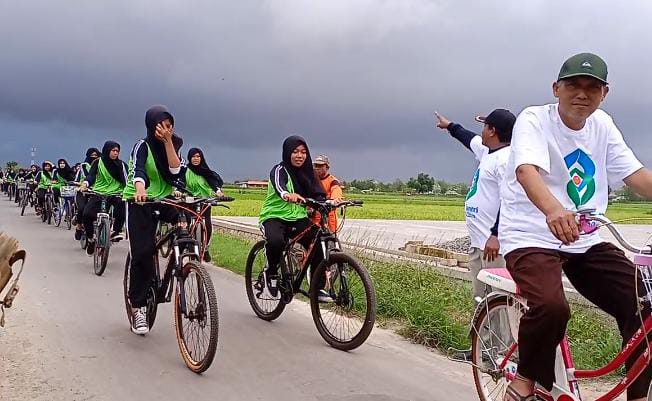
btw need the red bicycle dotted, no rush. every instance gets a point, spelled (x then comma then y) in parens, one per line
(494, 333)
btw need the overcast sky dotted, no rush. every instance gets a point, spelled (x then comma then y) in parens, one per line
(359, 79)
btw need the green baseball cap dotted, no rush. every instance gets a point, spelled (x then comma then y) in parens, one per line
(587, 64)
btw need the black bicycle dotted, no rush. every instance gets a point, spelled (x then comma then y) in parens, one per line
(28, 197)
(102, 229)
(195, 303)
(346, 320)
(48, 209)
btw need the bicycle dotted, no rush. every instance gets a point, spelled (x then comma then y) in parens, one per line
(102, 229)
(198, 229)
(11, 189)
(21, 188)
(194, 298)
(28, 197)
(347, 282)
(48, 209)
(66, 206)
(494, 351)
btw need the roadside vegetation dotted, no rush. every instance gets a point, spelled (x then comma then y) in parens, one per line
(434, 310)
(400, 206)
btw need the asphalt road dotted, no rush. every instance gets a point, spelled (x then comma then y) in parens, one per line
(67, 338)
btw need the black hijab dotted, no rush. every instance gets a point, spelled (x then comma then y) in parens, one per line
(67, 173)
(304, 178)
(213, 179)
(89, 152)
(115, 167)
(155, 115)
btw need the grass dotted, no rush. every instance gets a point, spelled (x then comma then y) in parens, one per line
(417, 207)
(435, 310)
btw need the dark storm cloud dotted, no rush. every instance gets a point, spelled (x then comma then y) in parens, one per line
(360, 79)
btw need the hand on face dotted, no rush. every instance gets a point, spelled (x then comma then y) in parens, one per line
(164, 131)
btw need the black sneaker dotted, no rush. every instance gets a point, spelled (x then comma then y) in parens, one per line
(207, 257)
(90, 247)
(117, 236)
(78, 234)
(271, 283)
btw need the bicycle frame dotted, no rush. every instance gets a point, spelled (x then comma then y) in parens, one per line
(566, 387)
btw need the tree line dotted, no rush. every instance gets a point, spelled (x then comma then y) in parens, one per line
(422, 183)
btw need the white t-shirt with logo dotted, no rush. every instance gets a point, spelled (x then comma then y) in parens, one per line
(577, 167)
(482, 202)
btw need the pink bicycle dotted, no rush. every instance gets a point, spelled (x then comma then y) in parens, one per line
(494, 330)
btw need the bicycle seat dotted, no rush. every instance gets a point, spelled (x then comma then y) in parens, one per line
(498, 278)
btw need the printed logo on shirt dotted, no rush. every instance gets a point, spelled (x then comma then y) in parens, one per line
(474, 185)
(581, 169)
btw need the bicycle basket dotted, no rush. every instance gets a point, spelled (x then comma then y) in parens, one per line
(68, 192)
(9, 255)
(21, 185)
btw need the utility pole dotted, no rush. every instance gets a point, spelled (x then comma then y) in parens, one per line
(33, 155)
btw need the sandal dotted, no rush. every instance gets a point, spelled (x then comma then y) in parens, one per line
(517, 397)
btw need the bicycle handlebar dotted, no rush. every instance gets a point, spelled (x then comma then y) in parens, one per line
(186, 200)
(589, 216)
(329, 203)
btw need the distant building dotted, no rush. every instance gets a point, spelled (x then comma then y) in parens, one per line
(251, 184)
(452, 193)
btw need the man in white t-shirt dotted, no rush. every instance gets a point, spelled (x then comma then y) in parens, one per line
(482, 204)
(563, 158)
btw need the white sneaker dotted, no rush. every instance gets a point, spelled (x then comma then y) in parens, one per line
(139, 322)
(324, 297)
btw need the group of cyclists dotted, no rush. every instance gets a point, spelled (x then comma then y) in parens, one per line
(554, 160)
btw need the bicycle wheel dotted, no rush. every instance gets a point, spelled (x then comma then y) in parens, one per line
(346, 322)
(58, 215)
(102, 246)
(68, 213)
(44, 212)
(198, 327)
(50, 210)
(264, 305)
(493, 338)
(199, 237)
(23, 205)
(83, 241)
(152, 301)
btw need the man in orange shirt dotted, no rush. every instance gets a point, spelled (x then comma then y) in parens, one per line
(331, 185)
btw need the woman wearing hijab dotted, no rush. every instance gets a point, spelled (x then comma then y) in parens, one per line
(154, 169)
(62, 175)
(92, 154)
(283, 211)
(45, 179)
(20, 177)
(107, 175)
(200, 180)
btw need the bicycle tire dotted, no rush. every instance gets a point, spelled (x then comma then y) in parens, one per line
(196, 358)
(68, 209)
(48, 213)
(152, 301)
(102, 247)
(346, 300)
(268, 314)
(23, 206)
(58, 216)
(44, 215)
(481, 355)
